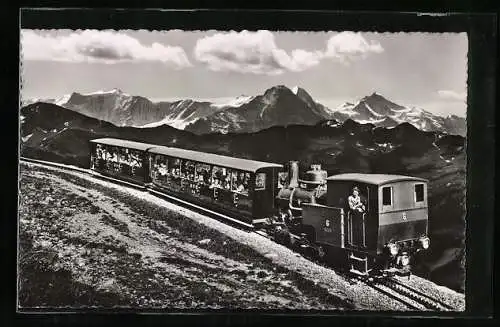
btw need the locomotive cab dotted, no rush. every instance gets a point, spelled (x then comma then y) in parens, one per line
(395, 213)
(379, 220)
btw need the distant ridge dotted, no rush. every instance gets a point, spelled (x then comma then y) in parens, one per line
(277, 106)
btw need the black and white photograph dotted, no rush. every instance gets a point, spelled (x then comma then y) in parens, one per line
(179, 170)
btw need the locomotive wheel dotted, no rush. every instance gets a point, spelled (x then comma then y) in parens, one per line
(310, 253)
(321, 252)
(280, 236)
(284, 237)
(287, 239)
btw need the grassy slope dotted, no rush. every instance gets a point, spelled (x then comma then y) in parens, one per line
(352, 148)
(75, 252)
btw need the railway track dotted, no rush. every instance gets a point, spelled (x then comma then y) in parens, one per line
(392, 288)
(400, 292)
(423, 299)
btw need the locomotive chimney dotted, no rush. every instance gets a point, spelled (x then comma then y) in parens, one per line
(293, 174)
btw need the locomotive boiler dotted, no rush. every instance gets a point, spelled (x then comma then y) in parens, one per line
(295, 191)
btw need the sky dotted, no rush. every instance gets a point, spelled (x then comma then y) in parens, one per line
(426, 70)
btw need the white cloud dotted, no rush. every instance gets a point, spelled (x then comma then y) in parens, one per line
(251, 52)
(445, 108)
(349, 46)
(97, 46)
(452, 95)
(257, 52)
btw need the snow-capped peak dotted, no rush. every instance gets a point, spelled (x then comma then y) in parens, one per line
(345, 106)
(234, 102)
(295, 89)
(112, 91)
(62, 100)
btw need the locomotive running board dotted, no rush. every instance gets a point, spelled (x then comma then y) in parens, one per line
(259, 221)
(192, 205)
(261, 233)
(358, 273)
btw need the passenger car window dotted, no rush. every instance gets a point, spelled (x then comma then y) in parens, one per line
(161, 165)
(122, 156)
(226, 182)
(419, 192)
(221, 177)
(260, 181)
(203, 173)
(187, 170)
(135, 159)
(175, 168)
(387, 196)
(282, 179)
(240, 181)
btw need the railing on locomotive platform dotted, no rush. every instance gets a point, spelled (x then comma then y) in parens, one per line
(351, 228)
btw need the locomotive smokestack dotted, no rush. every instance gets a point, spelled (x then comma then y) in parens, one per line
(293, 174)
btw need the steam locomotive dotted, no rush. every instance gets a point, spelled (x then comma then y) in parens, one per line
(311, 211)
(314, 212)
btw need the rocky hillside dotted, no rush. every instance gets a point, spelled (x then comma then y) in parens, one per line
(54, 133)
(86, 242)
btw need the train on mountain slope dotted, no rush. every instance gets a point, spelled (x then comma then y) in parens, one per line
(372, 224)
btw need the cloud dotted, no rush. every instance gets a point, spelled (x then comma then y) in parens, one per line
(452, 95)
(350, 46)
(251, 52)
(257, 52)
(445, 107)
(98, 46)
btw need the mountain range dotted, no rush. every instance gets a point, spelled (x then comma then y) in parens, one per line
(377, 110)
(277, 106)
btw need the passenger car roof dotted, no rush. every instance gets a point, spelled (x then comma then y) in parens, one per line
(374, 179)
(215, 159)
(124, 143)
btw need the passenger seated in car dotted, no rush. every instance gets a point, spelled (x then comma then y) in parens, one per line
(282, 180)
(215, 183)
(162, 169)
(228, 183)
(241, 188)
(206, 175)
